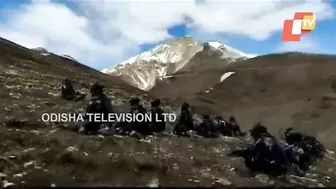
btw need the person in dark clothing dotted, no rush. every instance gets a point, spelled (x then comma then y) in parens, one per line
(157, 125)
(222, 126)
(185, 122)
(292, 137)
(311, 147)
(137, 126)
(99, 104)
(265, 154)
(234, 127)
(69, 93)
(207, 128)
(298, 157)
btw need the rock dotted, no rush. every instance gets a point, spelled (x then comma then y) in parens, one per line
(2, 175)
(320, 185)
(37, 167)
(18, 175)
(71, 149)
(28, 150)
(12, 72)
(53, 185)
(222, 181)
(27, 164)
(144, 140)
(262, 178)
(154, 183)
(101, 136)
(175, 166)
(5, 183)
(330, 152)
(311, 175)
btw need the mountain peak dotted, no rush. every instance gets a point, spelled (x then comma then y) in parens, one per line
(234, 53)
(166, 59)
(169, 52)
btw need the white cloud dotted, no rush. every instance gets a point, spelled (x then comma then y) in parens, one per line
(306, 44)
(102, 34)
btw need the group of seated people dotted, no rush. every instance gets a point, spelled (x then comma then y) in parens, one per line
(266, 154)
(209, 127)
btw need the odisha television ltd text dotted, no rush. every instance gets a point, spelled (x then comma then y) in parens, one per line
(111, 117)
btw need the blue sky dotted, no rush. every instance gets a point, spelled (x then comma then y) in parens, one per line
(104, 33)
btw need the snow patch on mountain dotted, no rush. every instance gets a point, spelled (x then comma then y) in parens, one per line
(68, 57)
(162, 53)
(230, 52)
(40, 49)
(106, 70)
(226, 75)
(45, 52)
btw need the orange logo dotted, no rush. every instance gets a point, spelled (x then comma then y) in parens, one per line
(303, 23)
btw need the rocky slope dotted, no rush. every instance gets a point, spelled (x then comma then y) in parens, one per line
(37, 154)
(165, 60)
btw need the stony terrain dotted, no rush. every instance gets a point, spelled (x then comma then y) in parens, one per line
(34, 153)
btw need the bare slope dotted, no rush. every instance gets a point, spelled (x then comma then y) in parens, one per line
(279, 90)
(40, 154)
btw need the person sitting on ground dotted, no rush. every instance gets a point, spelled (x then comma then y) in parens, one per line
(206, 128)
(158, 123)
(298, 157)
(99, 104)
(185, 122)
(222, 126)
(139, 126)
(309, 144)
(265, 154)
(69, 93)
(234, 127)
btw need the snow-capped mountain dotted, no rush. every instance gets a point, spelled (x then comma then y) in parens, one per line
(164, 60)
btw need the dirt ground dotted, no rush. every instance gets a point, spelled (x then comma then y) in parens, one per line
(36, 154)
